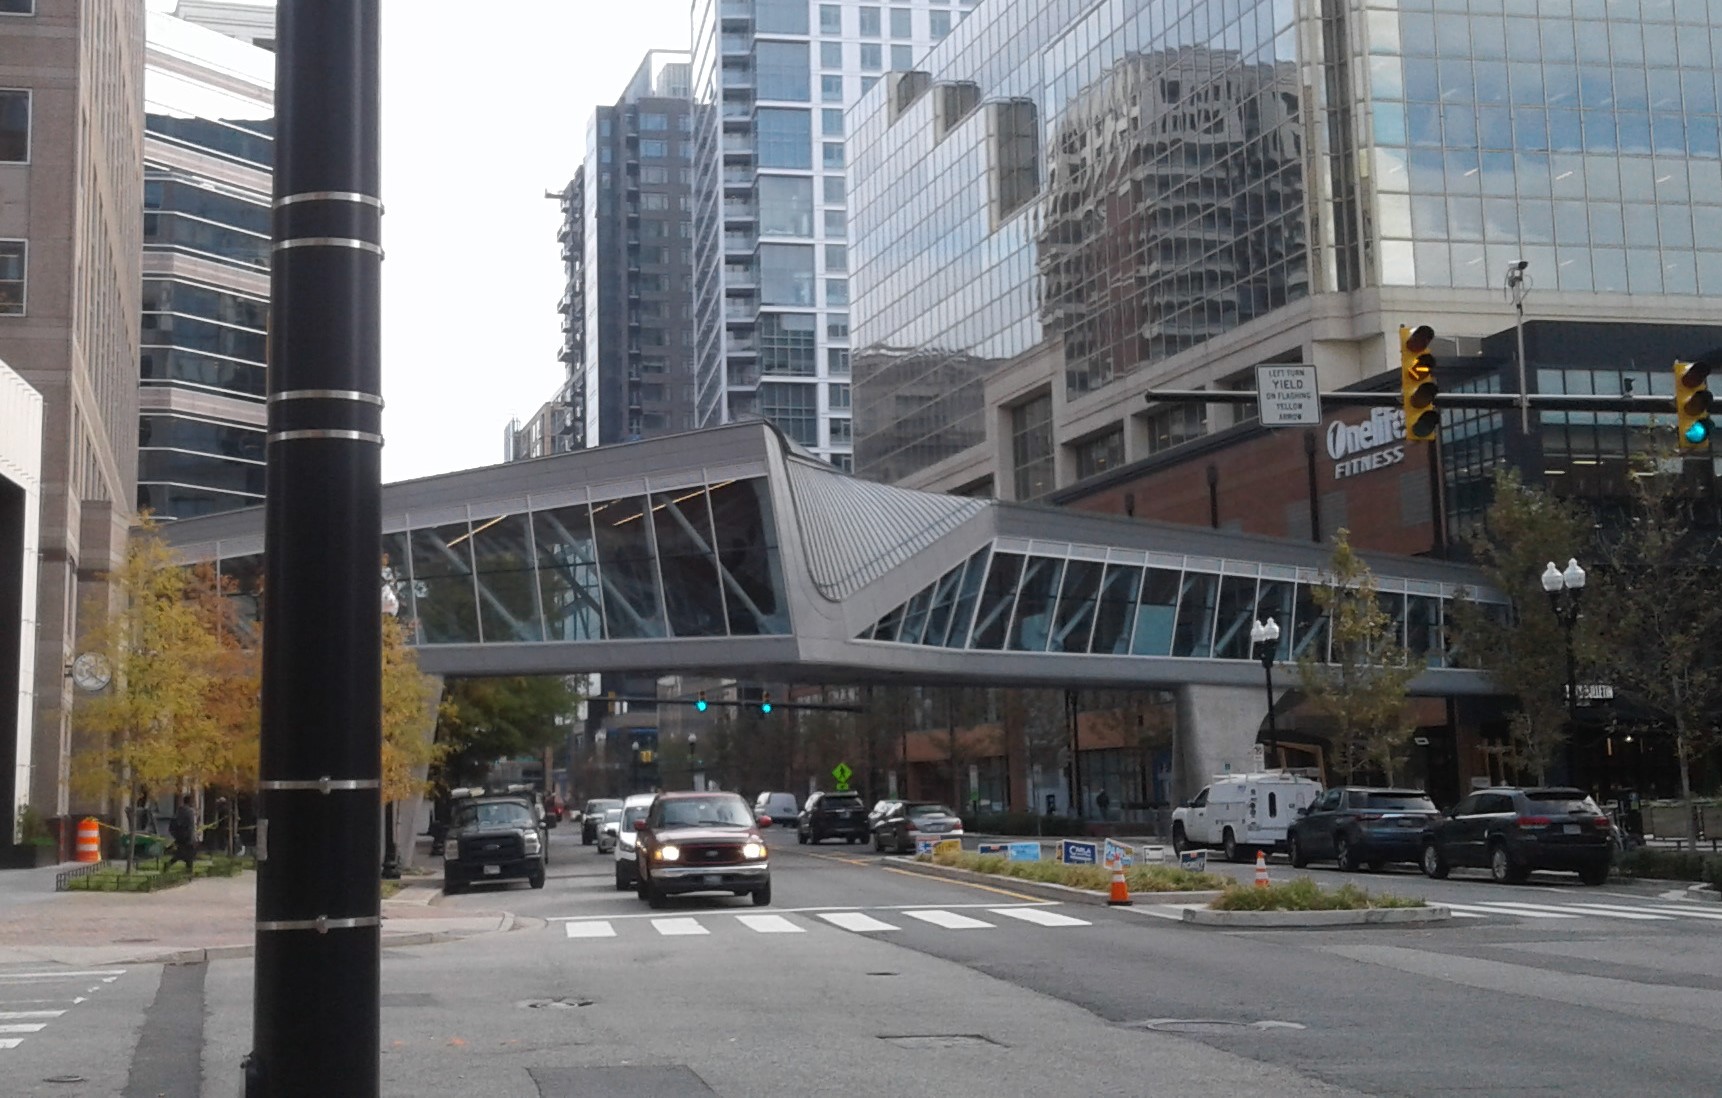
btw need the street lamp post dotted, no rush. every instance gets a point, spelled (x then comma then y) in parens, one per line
(391, 852)
(1265, 635)
(1565, 589)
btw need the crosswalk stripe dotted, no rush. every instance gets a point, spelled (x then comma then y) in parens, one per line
(1608, 912)
(1713, 915)
(1039, 916)
(855, 920)
(1498, 908)
(7, 976)
(24, 1027)
(950, 920)
(20, 1015)
(770, 924)
(678, 927)
(11, 1042)
(597, 928)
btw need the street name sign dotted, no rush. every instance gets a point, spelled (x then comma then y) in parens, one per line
(1287, 397)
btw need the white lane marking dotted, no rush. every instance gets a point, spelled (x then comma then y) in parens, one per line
(770, 924)
(20, 1015)
(950, 920)
(1503, 908)
(10, 1042)
(1716, 915)
(1611, 912)
(1466, 911)
(4, 976)
(599, 929)
(1040, 917)
(854, 920)
(816, 910)
(24, 1027)
(677, 927)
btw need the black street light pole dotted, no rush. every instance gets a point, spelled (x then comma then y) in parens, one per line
(1266, 637)
(318, 952)
(1564, 590)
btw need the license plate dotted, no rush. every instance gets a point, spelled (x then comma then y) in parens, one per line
(1569, 829)
(713, 878)
(492, 870)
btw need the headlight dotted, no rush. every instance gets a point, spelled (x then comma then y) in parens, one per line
(450, 850)
(532, 842)
(667, 853)
(753, 850)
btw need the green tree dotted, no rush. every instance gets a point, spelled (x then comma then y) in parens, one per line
(1362, 690)
(410, 709)
(1524, 650)
(483, 720)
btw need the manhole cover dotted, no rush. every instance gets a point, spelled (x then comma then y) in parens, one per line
(942, 1040)
(564, 1003)
(1210, 1025)
(132, 941)
(883, 974)
(65, 1079)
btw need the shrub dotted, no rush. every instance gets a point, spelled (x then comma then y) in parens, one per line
(1023, 823)
(1669, 865)
(1140, 878)
(1303, 894)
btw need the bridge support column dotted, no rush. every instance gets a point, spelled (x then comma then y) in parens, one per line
(1215, 733)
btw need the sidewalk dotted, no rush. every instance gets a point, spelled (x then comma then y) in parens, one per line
(208, 918)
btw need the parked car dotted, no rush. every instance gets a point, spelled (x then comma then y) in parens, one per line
(779, 806)
(840, 815)
(1511, 832)
(634, 810)
(1243, 813)
(878, 811)
(906, 821)
(700, 842)
(607, 830)
(494, 838)
(593, 818)
(1358, 825)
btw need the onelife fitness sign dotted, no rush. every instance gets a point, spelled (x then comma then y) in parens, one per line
(1376, 443)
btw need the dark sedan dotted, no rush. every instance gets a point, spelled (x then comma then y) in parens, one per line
(700, 842)
(907, 821)
(1361, 826)
(1511, 832)
(592, 819)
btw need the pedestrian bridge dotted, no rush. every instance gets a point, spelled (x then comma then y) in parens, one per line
(729, 552)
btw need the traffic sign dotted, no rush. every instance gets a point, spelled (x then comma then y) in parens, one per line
(1287, 396)
(842, 773)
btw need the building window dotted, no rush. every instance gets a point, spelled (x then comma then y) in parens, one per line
(654, 200)
(837, 397)
(793, 407)
(780, 16)
(835, 224)
(654, 148)
(12, 264)
(1174, 425)
(842, 433)
(786, 274)
(837, 291)
(902, 58)
(867, 83)
(831, 89)
(788, 344)
(830, 55)
(785, 138)
(902, 24)
(654, 122)
(14, 126)
(1016, 156)
(938, 24)
(872, 57)
(651, 175)
(835, 190)
(1097, 455)
(837, 362)
(1031, 447)
(844, 462)
(782, 69)
(869, 22)
(836, 259)
(785, 205)
(833, 156)
(17, 7)
(837, 326)
(830, 19)
(831, 122)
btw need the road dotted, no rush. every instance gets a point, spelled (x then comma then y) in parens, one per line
(863, 976)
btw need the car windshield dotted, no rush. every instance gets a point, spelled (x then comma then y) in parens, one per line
(631, 817)
(839, 801)
(1562, 800)
(612, 814)
(598, 808)
(501, 814)
(929, 810)
(715, 812)
(1399, 802)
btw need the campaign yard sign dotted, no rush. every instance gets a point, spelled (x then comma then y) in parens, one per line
(1117, 855)
(1001, 849)
(1078, 852)
(1024, 852)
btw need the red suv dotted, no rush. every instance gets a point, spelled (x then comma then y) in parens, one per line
(700, 842)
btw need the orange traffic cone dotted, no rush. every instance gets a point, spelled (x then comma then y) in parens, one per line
(1261, 870)
(1120, 895)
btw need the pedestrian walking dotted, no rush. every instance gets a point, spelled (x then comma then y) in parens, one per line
(184, 833)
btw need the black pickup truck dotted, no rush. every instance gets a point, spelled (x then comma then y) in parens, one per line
(494, 838)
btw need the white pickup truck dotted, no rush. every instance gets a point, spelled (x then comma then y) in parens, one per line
(1243, 813)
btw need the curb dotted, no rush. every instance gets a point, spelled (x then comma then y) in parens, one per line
(1044, 889)
(1369, 916)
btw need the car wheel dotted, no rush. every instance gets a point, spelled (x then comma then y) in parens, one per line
(1503, 868)
(654, 898)
(1434, 865)
(1294, 850)
(452, 885)
(1342, 854)
(762, 895)
(1376, 864)
(1594, 875)
(537, 879)
(1229, 843)
(878, 844)
(621, 879)
(1179, 842)
(801, 837)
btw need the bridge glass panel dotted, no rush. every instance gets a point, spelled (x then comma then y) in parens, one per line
(507, 601)
(915, 617)
(1115, 616)
(397, 569)
(749, 560)
(1156, 613)
(442, 579)
(967, 594)
(1311, 632)
(998, 596)
(1423, 629)
(1274, 600)
(1032, 627)
(1194, 634)
(568, 573)
(1076, 605)
(241, 580)
(693, 594)
(939, 612)
(890, 625)
(1392, 604)
(1237, 614)
(632, 605)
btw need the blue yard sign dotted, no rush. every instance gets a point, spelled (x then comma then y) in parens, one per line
(993, 848)
(1024, 852)
(1078, 852)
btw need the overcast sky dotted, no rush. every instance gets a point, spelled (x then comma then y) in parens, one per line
(483, 113)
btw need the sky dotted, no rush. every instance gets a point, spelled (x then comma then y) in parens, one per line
(481, 116)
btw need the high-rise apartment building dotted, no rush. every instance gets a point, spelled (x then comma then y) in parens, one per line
(208, 159)
(626, 238)
(71, 202)
(772, 81)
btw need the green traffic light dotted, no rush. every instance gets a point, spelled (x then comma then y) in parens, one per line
(700, 705)
(765, 707)
(1698, 432)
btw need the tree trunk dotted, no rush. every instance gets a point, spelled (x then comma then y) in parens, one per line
(1680, 755)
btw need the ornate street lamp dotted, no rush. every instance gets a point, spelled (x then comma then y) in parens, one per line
(1564, 590)
(1265, 635)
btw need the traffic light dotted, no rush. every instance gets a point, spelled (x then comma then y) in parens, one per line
(1417, 386)
(701, 703)
(765, 702)
(1692, 403)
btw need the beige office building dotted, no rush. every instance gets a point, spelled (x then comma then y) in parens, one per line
(71, 202)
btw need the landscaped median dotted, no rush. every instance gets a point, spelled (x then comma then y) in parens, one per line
(1083, 883)
(150, 874)
(1303, 903)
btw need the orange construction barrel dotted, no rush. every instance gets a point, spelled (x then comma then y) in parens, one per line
(89, 840)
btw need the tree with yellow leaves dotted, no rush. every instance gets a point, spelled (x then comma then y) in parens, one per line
(409, 715)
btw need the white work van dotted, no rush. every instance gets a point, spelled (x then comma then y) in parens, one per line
(1243, 813)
